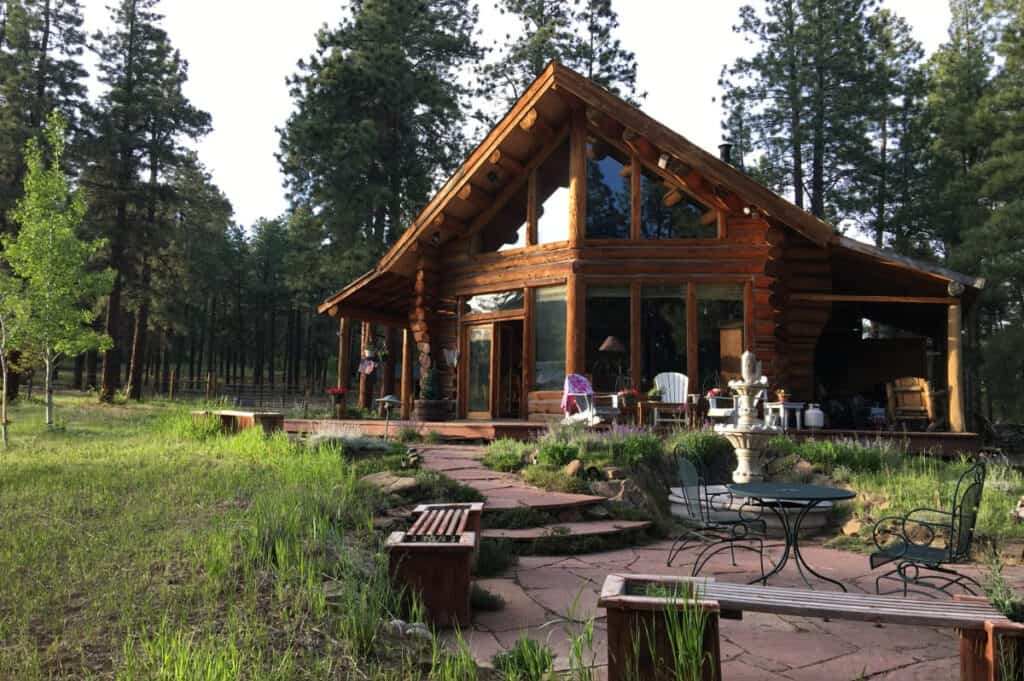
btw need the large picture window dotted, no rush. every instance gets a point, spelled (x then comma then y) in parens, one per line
(607, 334)
(720, 333)
(608, 193)
(549, 338)
(667, 213)
(662, 331)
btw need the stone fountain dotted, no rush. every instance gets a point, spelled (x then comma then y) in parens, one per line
(749, 434)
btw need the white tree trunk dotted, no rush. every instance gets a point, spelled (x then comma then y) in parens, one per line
(48, 367)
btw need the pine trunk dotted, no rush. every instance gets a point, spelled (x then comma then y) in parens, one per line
(112, 356)
(138, 351)
(91, 358)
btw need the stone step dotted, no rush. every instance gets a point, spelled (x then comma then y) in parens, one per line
(592, 528)
(507, 498)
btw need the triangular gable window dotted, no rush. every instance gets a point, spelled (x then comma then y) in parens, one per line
(670, 213)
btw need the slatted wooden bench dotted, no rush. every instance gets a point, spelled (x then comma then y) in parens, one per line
(434, 557)
(972, 617)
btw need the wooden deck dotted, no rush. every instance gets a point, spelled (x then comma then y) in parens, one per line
(943, 444)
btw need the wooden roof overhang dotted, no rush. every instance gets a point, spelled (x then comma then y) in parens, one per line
(497, 167)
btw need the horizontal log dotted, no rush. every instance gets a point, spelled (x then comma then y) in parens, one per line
(850, 298)
(680, 267)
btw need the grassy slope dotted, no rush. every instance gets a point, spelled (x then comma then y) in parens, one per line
(133, 546)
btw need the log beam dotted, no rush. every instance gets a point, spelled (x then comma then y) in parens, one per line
(849, 298)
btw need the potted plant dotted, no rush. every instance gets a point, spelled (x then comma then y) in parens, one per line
(338, 399)
(1005, 646)
(431, 406)
(660, 628)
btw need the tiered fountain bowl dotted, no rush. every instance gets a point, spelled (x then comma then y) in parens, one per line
(749, 434)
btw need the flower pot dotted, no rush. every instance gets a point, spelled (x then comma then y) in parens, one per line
(1004, 650)
(639, 639)
(431, 410)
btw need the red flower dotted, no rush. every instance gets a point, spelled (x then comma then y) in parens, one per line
(336, 391)
(714, 392)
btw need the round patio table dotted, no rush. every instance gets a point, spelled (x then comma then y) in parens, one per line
(777, 497)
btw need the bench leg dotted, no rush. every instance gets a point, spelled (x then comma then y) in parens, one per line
(975, 662)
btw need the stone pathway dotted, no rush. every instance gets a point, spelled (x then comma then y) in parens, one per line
(550, 598)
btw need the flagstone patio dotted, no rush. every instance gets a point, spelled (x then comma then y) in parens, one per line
(549, 598)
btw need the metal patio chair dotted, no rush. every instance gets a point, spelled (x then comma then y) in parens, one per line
(907, 541)
(711, 519)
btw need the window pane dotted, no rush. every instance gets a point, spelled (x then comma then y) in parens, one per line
(662, 331)
(480, 369)
(549, 338)
(608, 328)
(681, 220)
(494, 302)
(508, 228)
(608, 200)
(720, 333)
(553, 197)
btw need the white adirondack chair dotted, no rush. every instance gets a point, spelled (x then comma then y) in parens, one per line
(673, 405)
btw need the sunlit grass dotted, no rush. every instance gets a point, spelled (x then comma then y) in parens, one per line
(138, 543)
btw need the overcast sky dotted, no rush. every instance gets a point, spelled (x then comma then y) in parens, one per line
(240, 51)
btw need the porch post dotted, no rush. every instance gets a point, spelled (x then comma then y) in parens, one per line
(575, 322)
(692, 368)
(344, 343)
(406, 389)
(364, 382)
(954, 367)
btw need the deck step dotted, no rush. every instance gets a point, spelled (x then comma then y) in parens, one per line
(593, 528)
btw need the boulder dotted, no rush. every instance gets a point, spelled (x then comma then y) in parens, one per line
(853, 527)
(389, 483)
(613, 473)
(573, 468)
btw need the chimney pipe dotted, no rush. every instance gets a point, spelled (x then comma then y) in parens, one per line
(725, 151)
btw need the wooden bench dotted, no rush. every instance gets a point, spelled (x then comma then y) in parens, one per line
(434, 557)
(972, 617)
(232, 421)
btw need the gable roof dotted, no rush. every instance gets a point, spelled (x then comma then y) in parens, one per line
(552, 96)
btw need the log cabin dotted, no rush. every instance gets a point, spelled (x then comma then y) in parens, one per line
(583, 236)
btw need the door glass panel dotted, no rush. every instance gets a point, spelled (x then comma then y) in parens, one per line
(719, 333)
(662, 331)
(608, 337)
(480, 369)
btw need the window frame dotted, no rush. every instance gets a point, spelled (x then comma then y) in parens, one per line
(635, 231)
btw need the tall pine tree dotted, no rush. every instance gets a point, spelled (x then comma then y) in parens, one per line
(379, 111)
(580, 34)
(41, 45)
(806, 94)
(138, 128)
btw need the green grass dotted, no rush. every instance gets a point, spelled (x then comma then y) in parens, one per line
(507, 455)
(912, 482)
(139, 544)
(552, 478)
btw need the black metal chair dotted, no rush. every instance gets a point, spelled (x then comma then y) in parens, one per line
(712, 519)
(907, 541)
